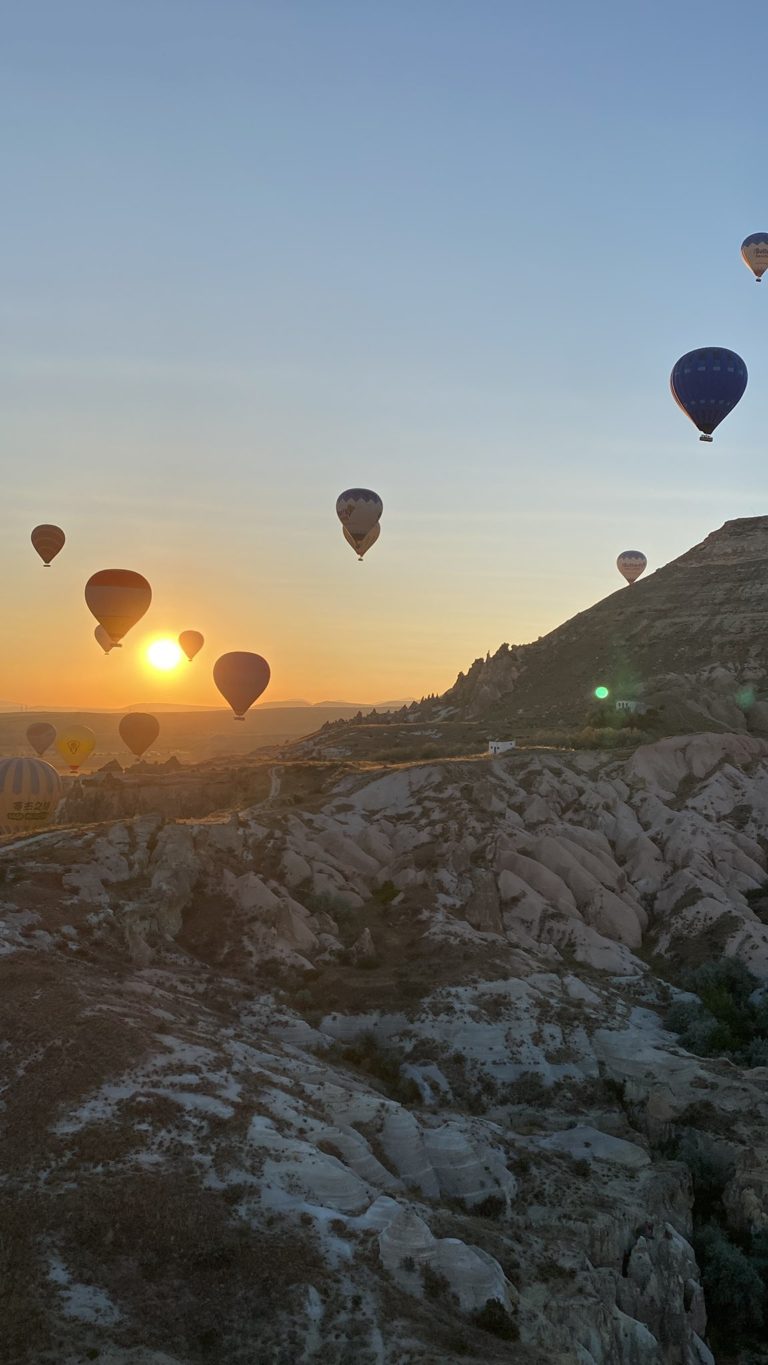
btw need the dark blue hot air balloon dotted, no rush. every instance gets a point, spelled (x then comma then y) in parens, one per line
(707, 384)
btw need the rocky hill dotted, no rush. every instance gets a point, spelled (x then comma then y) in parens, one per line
(691, 639)
(381, 1070)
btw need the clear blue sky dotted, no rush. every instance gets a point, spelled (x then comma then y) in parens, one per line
(255, 252)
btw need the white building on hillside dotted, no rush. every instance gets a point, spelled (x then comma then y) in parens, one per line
(500, 746)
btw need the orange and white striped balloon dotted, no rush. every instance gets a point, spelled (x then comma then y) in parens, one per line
(48, 540)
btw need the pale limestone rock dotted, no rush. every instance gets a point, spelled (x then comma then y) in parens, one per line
(590, 1144)
(363, 948)
(291, 923)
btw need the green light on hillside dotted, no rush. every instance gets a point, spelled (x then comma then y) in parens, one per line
(601, 693)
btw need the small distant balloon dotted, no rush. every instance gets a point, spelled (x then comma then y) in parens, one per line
(139, 730)
(359, 511)
(241, 678)
(47, 541)
(30, 791)
(75, 744)
(361, 546)
(41, 736)
(630, 564)
(707, 384)
(103, 637)
(118, 598)
(191, 642)
(754, 251)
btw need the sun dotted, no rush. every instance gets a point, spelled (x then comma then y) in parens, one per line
(164, 654)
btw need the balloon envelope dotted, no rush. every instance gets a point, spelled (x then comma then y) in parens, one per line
(104, 639)
(359, 510)
(75, 743)
(47, 540)
(118, 598)
(41, 736)
(191, 642)
(631, 563)
(707, 384)
(754, 251)
(360, 546)
(138, 730)
(30, 791)
(241, 678)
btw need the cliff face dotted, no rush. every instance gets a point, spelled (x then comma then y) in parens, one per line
(694, 635)
(320, 1080)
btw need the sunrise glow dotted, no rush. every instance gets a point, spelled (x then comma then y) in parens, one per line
(164, 655)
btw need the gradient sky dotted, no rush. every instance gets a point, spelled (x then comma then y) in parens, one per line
(255, 253)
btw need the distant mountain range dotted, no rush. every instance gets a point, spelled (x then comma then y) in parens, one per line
(291, 703)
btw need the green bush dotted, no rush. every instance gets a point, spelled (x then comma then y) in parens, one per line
(493, 1317)
(726, 1019)
(732, 1284)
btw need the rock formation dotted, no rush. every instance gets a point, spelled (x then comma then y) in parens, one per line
(381, 1074)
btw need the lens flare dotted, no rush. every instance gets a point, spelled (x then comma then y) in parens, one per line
(164, 654)
(601, 693)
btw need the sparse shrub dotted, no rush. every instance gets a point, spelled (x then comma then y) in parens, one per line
(385, 893)
(493, 1317)
(408, 1264)
(551, 1269)
(493, 1206)
(529, 1088)
(436, 1286)
(383, 1064)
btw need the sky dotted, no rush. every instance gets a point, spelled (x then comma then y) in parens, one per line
(256, 253)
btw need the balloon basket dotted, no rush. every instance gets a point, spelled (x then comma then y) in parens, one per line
(706, 438)
(241, 718)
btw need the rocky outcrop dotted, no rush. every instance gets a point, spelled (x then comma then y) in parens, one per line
(399, 1047)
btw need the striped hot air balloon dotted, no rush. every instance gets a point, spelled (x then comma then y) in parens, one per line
(118, 598)
(30, 791)
(47, 540)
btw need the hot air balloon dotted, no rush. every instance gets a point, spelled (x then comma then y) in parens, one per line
(74, 744)
(47, 540)
(138, 731)
(41, 736)
(754, 251)
(631, 563)
(359, 511)
(241, 678)
(105, 639)
(30, 791)
(191, 642)
(365, 544)
(118, 598)
(707, 384)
